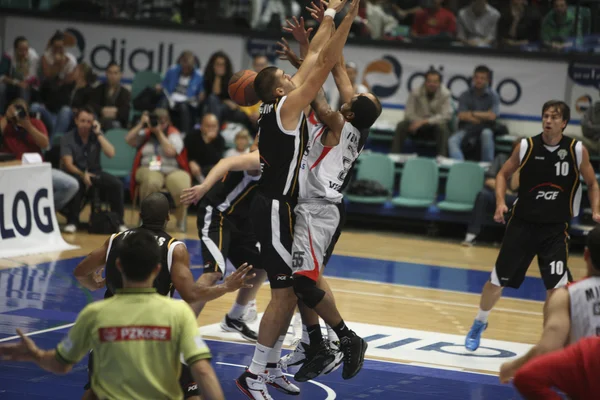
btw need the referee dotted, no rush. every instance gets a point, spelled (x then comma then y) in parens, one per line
(137, 336)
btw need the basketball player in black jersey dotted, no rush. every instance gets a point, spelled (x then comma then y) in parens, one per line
(175, 272)
(549, 196)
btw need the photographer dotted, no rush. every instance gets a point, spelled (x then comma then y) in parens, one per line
(161, 159)
(80, 157)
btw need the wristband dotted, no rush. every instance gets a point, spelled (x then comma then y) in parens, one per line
(330, 12)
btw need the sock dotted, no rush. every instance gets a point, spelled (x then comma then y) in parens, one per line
(342, 331)
(275, 353)
(314, 335)
(470, 237)
(331, 336)
(237, 311)
(482, 315)
(259, 361)
(251, 303)
(305, 337)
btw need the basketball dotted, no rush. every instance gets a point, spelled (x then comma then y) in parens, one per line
(241, 88)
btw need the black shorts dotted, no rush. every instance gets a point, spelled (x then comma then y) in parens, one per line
(223, 238)
(186, 380)
(273, 222)
(524, 240)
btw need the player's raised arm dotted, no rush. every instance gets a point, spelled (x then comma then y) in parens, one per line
(342, 81)
(89, 271)
(589, 176)
(509, 168)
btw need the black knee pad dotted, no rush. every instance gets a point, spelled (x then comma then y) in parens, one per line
(306, 289)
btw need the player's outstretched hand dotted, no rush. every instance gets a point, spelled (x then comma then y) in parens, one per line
(338, 5)
(193, 195)
(239, 279)
(24, 350)
(501, 209)
(317, 10)
(507, 372)
(286, 53)
(297, 30)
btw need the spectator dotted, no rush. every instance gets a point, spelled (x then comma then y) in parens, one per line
(80, 157)
(271, 13)
(434, 22)
(519, 24)
(18, 72)
(183, 86)
(242, 144)
(111, 100)
(485, 202)
(428, 112)
(161, 159)
(590, 126)
(558, 25)
(477, 24)
(404, 10)
(359, 88)
(67, 101)
(205, 148)
(259, 63)
(22, 134)
(372, 21)
(478, 108)
(217, 74)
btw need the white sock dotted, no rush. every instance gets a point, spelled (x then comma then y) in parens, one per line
(470, 237)
(237, 311)
(275, 353)
(331, 336)
(482, 315)
(259, 361)
(305, 338)
(251, 303)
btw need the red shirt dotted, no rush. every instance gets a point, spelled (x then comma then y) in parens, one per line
(17, 141)
(433, 22)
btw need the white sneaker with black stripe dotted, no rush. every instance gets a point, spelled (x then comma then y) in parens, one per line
(234, 325)
(253, 386)
(278, 380)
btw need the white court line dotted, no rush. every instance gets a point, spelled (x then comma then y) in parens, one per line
(447, 303)
(56, 328)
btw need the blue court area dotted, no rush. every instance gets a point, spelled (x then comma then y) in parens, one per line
(47, 298)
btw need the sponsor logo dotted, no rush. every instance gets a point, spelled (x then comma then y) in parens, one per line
(547, 195)
(134, 333)
(192, 387)
(282, 277)
(34, 213)
(539, 158)
(562, 153)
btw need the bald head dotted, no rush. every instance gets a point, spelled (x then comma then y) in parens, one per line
(154, 211)
(209, 127)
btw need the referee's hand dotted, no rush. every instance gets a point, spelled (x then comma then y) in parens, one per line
(239, 279)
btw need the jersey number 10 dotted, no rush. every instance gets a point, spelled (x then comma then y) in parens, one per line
(562, 168)
(557, 267)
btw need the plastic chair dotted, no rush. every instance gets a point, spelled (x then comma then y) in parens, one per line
(374, 167)
(120, 165)
(141, 81)
(418, 185)
(465, 180)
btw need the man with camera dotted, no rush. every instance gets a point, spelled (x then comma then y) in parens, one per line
(161, 160)
(21, 134)
(80, 157)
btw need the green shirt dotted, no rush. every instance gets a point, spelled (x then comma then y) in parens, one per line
(138, 338)
(554, 31)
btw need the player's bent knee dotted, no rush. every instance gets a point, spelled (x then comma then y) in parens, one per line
(306, 290)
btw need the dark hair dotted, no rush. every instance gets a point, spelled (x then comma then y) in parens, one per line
(209, 74)
(18, 40)
(88, 73)
(86, 109)
(433, 72)
(265, 84)
(365, 111)
(58, 35)
(138, 254)
(482, 69)
(154, 211)
(561, 106)
(112, 64)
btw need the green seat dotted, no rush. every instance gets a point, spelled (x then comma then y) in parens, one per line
(374, 167)
(465, 180)
(120, 165)
(418, 185)
(141, 81)
(56, 138)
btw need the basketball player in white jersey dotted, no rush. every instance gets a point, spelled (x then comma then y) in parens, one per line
(572, 313)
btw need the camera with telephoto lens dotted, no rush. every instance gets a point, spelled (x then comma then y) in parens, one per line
(153, 122)
(20, 113)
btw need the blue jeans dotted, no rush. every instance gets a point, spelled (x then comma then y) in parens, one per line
(55, 123)
(64, 188)
(487, 145)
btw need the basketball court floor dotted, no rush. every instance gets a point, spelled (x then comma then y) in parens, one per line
(412, 298)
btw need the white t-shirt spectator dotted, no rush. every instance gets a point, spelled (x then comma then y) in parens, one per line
(69, 67)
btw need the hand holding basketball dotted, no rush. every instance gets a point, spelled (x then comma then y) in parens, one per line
(241, 88)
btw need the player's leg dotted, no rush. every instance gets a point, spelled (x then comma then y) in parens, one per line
(515, 256)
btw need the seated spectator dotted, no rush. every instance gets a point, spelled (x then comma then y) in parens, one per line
(428, 112)
(434, 22)
(242, 145)
(478, 108)
(21, 134)
(161, 159)
(404, 10)
(205, 147)
(217, 74)
(590, 127)
(80, 157)
(183, 86)
(485, 202)
(259, 63)
(359, 88)
(67, 101)
(372, 21)
(18, 72)
(558, 25)
(477, 24)
(519, 24)
(111, 100)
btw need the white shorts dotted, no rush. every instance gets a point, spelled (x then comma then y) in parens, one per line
(317, 228)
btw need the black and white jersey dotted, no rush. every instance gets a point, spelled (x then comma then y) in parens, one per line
(584, 297)
(549, 189)
(162, 283)
(233, 194)
(281, 152)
